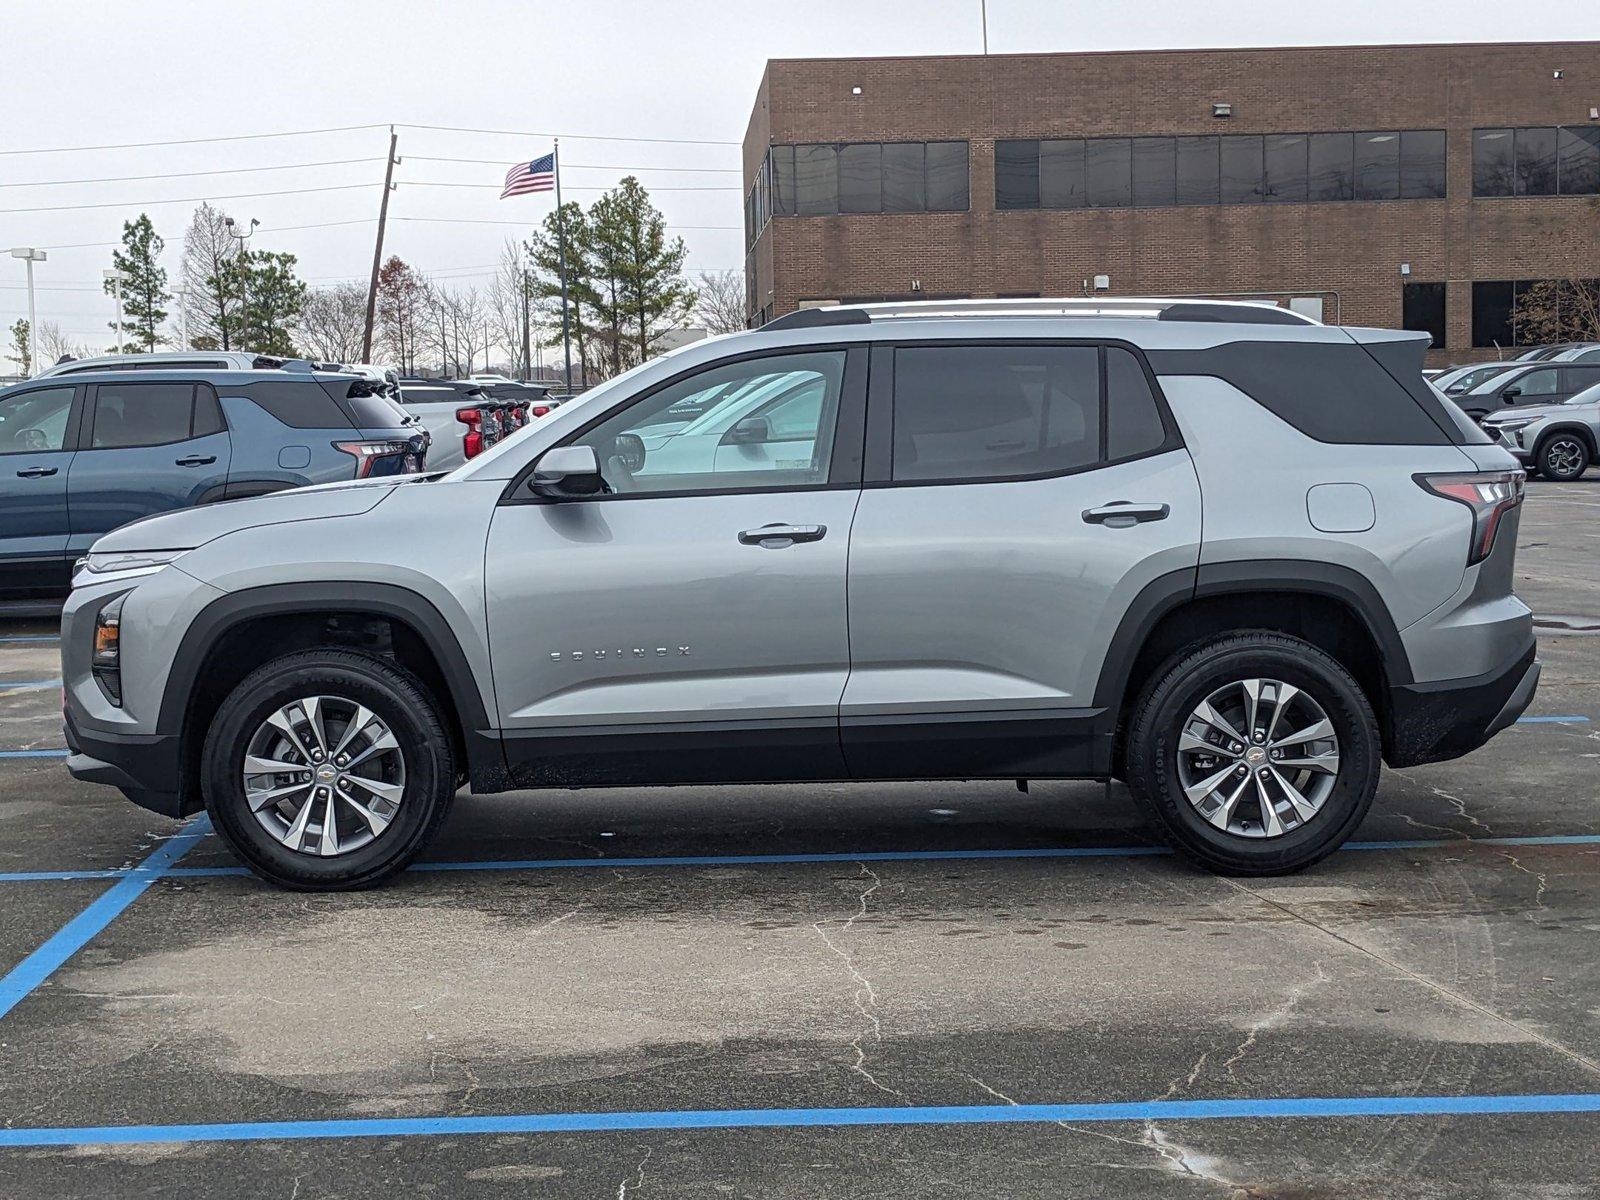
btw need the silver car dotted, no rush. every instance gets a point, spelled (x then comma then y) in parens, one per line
(1557, 441)
(1226, 554)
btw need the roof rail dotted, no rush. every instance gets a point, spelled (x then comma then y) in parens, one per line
(1160, 308)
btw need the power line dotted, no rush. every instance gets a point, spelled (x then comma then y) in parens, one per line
(237, 137)
(573, 137)
(529, 224)
(568, 188)
(566, 166)
(338, 162)
(343, 187)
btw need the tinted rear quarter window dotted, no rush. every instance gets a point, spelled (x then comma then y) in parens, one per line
(1133, 419)
(1334, 393)
(127, 415)
(298, 405)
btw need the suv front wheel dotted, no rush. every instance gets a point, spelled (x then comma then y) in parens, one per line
(328, 770)
(1562, 456)
(1257, 752)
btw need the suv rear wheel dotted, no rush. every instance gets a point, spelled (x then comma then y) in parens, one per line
(1257, 752)
(1562, 456)
(328, 770)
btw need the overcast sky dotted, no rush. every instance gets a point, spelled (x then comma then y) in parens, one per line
(79, 73)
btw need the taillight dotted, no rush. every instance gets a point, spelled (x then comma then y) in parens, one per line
(367, 454)
(540, 410)
(521, 413)
(472, 440)
(1489, 494)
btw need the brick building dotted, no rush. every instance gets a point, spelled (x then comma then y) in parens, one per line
(1376, 185)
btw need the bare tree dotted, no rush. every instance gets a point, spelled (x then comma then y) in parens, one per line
(403, 313)
(509, 301)
(1558, 310)
(721, 308)
(53, 345)
(333, 321)
(210, 305)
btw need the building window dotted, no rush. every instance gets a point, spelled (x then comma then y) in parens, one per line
(1541, 160)
(824, 179)
(1278, 168)
(1533, 312)
(1422, 309)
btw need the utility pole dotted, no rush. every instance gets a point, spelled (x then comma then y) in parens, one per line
(31, 256)
(377, 252)
(561, 242)
(114, 278)
(983, 9)
(527, 356)
(182, 296)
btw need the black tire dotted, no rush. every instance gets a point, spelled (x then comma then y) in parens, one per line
(1571, 455)
(398, 698)
(1180, 684)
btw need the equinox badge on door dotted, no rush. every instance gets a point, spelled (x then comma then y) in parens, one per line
(604, 655)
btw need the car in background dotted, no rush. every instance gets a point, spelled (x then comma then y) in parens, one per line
(168, 360)
(1558, 441)
(1587, 352)
(1463, 379)
(462, 419)
(1542, 353)
(85, 453)
(1529, 384)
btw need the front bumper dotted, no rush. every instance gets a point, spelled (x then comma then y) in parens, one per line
(1513, 441)
(1431, 722)
(144, 767)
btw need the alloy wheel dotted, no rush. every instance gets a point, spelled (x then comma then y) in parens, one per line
(1562, 457)
(1258, 758)
(324, 775)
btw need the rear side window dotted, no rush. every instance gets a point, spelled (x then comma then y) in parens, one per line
(372, 412)
(299, 405)
(207, 411)
(1578, 378)
(995, 412)
(142, 414)
(1334, 393)
(1133, 419)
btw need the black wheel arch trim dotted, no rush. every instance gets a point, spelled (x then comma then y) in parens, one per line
(485, 756)
(1167, 592)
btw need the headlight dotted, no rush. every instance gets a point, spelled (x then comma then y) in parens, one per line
(1512, 424)
(106, 661)
(98, 568)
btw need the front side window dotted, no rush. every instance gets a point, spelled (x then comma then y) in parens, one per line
(761, 423)
(994, 412)
(141, 414)
(34, 422)
(1543, 382)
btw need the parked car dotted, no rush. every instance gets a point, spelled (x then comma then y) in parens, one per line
(167, 360)
(453, 414)
(85, 453)
(1058, 566)
(1558, 441)
(1463, 379)
(1587, 352)
(1543, 353)
(1532, 383)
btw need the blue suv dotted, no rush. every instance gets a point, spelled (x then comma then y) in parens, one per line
(82, 455)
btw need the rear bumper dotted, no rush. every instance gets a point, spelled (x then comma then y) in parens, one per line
(143, 767)
(1431, 722)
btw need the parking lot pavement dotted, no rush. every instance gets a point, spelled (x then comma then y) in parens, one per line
(685, 1011)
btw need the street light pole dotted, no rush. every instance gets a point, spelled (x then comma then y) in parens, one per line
(114, 278)
(31, 256)
(244, 285)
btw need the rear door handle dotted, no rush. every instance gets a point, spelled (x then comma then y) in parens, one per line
(1120, 514)
(36, 472)
(195, 460)
(779, 537)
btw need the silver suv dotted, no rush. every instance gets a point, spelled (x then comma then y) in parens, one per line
(1557, 441)
(1227, 555)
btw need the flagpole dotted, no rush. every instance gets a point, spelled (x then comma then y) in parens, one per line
(561, 243)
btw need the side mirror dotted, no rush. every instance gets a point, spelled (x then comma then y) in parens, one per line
(749, 431)
(1511, 393)
(565, 472)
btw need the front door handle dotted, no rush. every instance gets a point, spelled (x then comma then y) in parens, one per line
(36, 472)
(1120, 514)
(195, 460)
(779, 537)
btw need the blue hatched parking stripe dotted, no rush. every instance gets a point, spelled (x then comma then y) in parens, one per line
(71, 937)
(789, 1118)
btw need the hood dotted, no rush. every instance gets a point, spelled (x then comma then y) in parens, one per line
(1525, 411)
(186, 528)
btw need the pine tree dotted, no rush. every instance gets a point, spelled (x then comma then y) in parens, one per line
(544, 255)
(657, 295)
(22, 346)
(273, 299)
(144, 284)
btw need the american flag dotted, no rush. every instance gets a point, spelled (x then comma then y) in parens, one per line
(536, 176)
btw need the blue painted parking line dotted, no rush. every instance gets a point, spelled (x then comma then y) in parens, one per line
(30, 638)
(1294, 1107)
(745, 860)
(11, 685)
(1562, 719)
(71, 937)
(52, 752)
